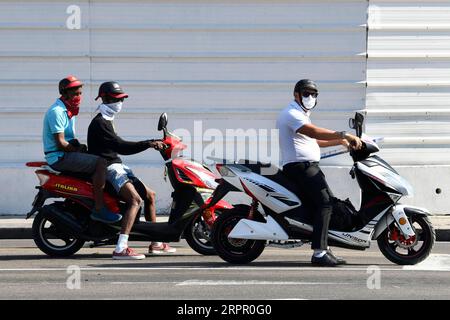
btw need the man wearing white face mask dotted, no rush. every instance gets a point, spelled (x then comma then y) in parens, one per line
(300, 143)
(103, 141)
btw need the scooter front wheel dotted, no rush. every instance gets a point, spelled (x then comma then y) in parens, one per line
(236, 251)
(410, 251)
(52, 240)
(198, 236)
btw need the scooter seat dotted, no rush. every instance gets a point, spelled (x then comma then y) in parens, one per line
(88, 178)
(51, 170)
(277, 175)
(281, 179)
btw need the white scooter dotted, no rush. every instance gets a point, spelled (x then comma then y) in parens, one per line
(404, 233)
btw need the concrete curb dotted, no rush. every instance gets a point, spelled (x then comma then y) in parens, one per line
(19, 228)
(443, 235)
(15, 233)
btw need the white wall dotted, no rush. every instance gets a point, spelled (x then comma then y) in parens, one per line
(408, 91)
(232, 64)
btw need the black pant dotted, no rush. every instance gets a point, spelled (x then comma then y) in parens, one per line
(312, 184)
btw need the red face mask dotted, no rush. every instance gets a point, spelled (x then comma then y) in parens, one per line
(72, 105)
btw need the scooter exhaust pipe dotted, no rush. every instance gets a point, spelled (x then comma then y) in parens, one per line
(63, 220)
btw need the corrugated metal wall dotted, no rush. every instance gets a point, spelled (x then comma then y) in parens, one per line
(408, 92)
(230, 63)
(408, 80)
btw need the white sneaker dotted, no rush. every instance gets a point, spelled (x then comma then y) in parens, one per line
(161, 249)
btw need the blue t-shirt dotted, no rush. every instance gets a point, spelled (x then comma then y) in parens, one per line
(56, 120)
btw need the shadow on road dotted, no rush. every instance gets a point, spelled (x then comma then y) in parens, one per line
(211, 264)
(170, 261)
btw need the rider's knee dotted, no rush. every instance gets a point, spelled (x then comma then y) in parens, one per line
(151, 195)
(136, 201)
(326, 198)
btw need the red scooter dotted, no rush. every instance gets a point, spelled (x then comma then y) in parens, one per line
(62, 227)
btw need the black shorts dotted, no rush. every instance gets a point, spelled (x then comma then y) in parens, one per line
(77, 162)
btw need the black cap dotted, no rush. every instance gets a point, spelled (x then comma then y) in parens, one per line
(305, 84)
(111, 89)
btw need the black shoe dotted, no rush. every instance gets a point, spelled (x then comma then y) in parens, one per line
(327, 260)
(339, 260)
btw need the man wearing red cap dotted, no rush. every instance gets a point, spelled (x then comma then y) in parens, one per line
(103, 141)
(64, 153)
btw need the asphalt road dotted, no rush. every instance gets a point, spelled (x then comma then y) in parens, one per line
(26, 273)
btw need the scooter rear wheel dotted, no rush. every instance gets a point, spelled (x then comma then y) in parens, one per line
(408, 251)
(51, 240)
(236, 251)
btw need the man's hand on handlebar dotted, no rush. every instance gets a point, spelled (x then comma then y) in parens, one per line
(355, 142)
(157, 145)
(346, 144)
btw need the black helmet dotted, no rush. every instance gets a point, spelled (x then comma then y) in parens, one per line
(111, 89)
(68, 83)
(305, 84)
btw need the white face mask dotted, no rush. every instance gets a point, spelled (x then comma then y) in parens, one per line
(109, 110)
(116, 106)
(309, 102)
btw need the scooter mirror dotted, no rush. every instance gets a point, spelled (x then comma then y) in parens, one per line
(359, 120)
(351, 123)
(162, 124)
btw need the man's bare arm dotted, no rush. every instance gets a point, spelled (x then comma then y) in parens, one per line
(323, 134)
(62, 144)
(332, 143)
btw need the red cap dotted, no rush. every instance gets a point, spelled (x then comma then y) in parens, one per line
(69, 82)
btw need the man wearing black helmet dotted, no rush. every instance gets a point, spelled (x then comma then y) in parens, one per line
(300, 143)
(64, 153)
(103, 141)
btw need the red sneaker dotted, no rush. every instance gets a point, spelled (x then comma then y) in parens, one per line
(161, 249)
(127, 254)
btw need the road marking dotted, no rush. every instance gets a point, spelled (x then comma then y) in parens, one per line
(291, 299)
(143, 282)
(435, 262)
(317, 269)
(253, 282)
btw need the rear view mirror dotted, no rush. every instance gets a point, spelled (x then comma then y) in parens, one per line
(357, 123)
(162, 124)
(351, 123)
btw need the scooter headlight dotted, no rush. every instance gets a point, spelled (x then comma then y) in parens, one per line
(394, 196)
(225, 172)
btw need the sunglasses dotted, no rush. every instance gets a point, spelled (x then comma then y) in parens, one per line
(114, 100)
(306, 94)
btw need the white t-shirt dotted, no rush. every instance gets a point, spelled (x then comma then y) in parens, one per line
(295, 147)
